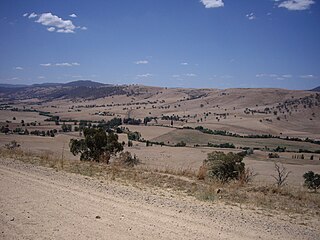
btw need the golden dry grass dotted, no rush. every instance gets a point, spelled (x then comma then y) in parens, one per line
(292, 200)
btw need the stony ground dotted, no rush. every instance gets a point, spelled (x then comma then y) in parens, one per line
(40, 203)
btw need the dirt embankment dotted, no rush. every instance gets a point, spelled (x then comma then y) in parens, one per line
(40, 203)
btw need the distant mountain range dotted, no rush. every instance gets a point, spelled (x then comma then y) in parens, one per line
(79, 83)
(77, 89)
(47, 91)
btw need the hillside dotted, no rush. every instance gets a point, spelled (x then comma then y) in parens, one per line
(278, 112)
(317, 89)
(49, 91)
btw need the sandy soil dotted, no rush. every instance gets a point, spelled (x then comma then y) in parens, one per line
(39, 203)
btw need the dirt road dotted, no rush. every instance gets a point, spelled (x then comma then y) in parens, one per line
(39, 203)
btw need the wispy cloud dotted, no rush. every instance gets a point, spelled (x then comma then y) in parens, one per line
(45, 64)
(32, 15)
(64, 64)
(26, 14)
(287, 76)
(146, 75)
(18, 68)
(73, 15)
(274, 76)
(190, 75)
(41, 77)
(251, 16)
(184, 63)
(309, 76)
(175, 76)
(182, 76)
(297, 5)
(141, 62)
(212, 3)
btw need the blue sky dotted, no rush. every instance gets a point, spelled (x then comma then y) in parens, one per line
(174, 43)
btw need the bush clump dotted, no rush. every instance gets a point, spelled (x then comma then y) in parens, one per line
(180, 144)
(97, 146)
(312, 180)
(126, 159)
(224, 167)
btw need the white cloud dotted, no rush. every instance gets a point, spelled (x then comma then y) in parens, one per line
(41, 77)
(51, 29)
(45, 64)
(65, 64)
(184, 63)
(176, 76)
(26, 14)
(146, 75)
(212, 3)
(63, 26)
(296, 5)
(309, 76)
(274, 76)
(251, 16)
(84, 28)
(65, 31)
(18, 68)
(33, 15)
(287, 76)
(142, 62)
(73, 15)
(190, 75)
(264, 75)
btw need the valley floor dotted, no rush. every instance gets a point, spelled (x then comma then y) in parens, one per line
(40, 203)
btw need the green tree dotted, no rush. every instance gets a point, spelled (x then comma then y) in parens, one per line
(312, 180)
(96, 146)
(66, 127)
(224, 167)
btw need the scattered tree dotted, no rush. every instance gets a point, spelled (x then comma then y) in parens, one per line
(281, 174)
(312, 180)
(224, 167)
(180, 144)
(97, 146)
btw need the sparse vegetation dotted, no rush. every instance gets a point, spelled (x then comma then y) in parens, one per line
(12, 145)
(126, 159)
(181, 144)
(281, 174)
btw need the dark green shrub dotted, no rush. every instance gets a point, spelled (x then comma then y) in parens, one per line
(273, 155)
(97, 146)
(224, 167)
(312, 180)
(180, 144)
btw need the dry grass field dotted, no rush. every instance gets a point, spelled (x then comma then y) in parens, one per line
(173, 170)
(241, 111)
